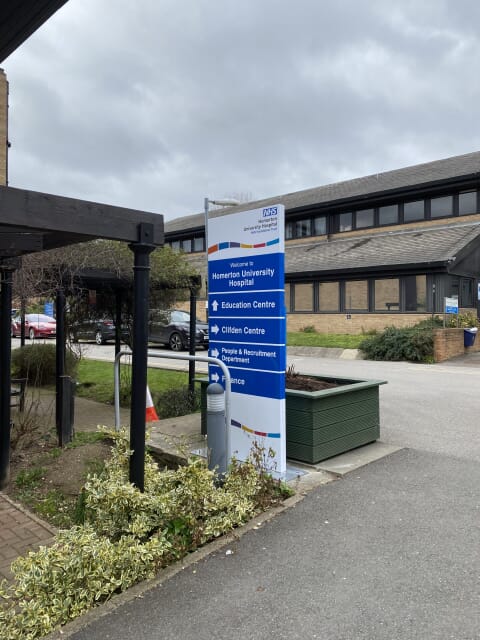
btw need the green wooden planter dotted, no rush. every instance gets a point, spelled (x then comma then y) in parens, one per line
(322, 424)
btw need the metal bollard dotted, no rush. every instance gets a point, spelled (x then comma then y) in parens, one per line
(216, 429)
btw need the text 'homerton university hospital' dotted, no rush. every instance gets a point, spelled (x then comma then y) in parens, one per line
(243, 278)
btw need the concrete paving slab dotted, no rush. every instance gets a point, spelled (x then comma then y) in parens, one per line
(351, 354)
(353, 460)
(174, 439)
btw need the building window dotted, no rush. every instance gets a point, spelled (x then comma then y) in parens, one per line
(289, 231)
(415, 289)
(441, 207)
(364, 218)
(466, 292)
(320, 225)
(187, 245)
(413, 211)
(199, 243)
(287, 298)
(467, 203)
(356, 295)
(388, 215)
(303, 297)
(345, 221)
(175, 245)
(303, 228)
(328, 296)
(387, 294)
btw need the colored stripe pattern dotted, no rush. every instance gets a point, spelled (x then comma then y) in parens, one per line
(240, 245)
(239, 425)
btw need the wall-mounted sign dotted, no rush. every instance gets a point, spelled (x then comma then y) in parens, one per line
(247, 324)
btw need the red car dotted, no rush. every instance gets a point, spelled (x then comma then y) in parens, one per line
(37, 325)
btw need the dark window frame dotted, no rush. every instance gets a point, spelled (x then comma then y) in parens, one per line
(342, 308)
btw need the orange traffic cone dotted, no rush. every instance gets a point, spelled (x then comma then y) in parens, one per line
(151, 414)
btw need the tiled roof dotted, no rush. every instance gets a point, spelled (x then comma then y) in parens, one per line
(415, 247)
(416, 175)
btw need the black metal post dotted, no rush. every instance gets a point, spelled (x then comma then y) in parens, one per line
(5, 377)
(193, 331)
(23, 309)
(141, 269)
(62, 398)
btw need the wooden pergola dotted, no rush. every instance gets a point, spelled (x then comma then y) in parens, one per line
(32, 221)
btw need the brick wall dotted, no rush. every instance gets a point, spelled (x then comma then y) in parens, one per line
(338, 323)
(3, 126)
(448, 343)
(356, 323)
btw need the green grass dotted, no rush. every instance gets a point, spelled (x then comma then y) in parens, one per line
(95, 380)
(85, 437)
(337, 340)
(28, 479)
(95, 377)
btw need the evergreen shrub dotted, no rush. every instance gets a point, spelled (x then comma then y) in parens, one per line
(125, 536)
(176, 402)
(414, 344)
(37, 363)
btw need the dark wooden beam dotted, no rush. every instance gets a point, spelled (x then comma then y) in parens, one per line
(20, 18)
(14, 244)
(72, 220)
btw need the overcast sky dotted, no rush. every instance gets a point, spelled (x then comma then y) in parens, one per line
(155, 104)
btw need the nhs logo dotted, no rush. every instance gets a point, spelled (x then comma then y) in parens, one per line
(269, 211)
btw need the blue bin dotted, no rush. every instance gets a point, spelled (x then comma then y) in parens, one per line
(469, 336)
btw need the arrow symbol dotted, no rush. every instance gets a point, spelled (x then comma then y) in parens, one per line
(215, 329)
(214, 305)
(215, 353)
(215, 377)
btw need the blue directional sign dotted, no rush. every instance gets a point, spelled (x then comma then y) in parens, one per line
(250, 355)
(251, 303)
(258, 273)
(247, 323)
(255, 383)
(250, 330)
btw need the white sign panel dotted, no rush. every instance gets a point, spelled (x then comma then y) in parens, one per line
(247, 325)
(451, 305)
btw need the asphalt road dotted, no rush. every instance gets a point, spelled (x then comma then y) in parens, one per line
(390, 552)
(432, 408)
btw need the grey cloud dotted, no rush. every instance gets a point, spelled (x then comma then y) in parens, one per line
(154, 104)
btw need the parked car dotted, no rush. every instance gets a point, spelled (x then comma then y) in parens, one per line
(172, 328)
(101, 330)
(37, 325)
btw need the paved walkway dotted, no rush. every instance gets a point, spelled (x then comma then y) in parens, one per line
(20, 532)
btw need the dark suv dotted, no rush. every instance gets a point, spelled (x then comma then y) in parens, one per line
(102, 330)
(172, 328)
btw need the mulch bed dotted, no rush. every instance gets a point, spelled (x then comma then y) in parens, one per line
(306, 383)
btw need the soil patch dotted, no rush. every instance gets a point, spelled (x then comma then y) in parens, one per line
(299, 382)
(68, 472)
(48, 480)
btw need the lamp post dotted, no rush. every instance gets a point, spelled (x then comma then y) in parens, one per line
(227, 202)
